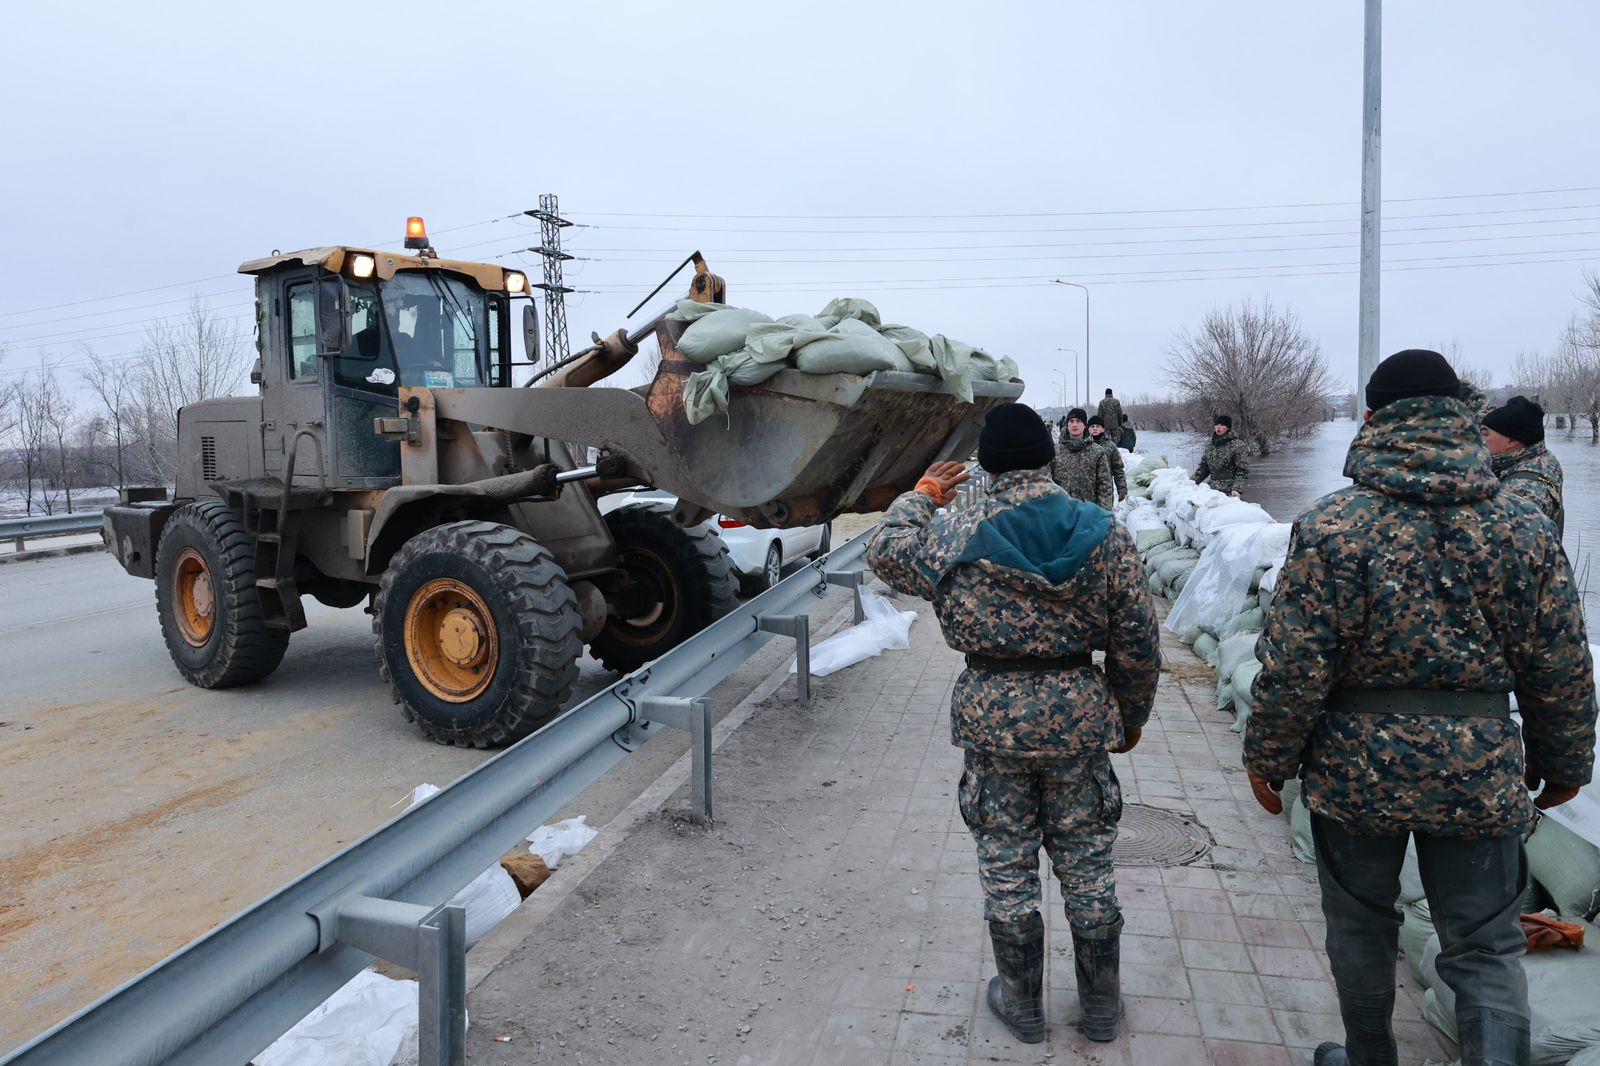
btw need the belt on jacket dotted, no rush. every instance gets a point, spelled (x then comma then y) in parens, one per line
(1421, 701)
(1030, 663)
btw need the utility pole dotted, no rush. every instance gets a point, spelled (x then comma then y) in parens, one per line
(555, 290)
(1075, 401)
(1371, 196)
(1087, 390)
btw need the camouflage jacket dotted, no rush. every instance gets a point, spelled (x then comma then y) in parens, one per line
(1110, 412)
(1423, 575)
(1225, 462)
(1029, 571)
(1081, 467)
(1119, 471)
(1535, 475)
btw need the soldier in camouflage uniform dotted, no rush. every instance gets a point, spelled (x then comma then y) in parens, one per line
(1110, 415)
(1027, 582)
(1225, 461)
(1514, 435)
(1080, 465)
(1410, 605)
(1119, 471)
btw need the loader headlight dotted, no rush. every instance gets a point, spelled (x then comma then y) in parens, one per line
(516, 282)
(362, 266)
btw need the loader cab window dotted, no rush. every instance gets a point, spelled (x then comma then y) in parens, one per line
(368, 363)
(438, 326)
(303, 332)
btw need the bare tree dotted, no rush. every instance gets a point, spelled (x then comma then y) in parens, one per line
(179, 364)
(1258, 365)
(43, 412)
(115, 384)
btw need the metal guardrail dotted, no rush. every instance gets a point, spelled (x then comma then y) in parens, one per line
(48, 525)
(228, 995)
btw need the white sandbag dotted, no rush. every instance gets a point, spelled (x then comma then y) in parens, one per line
(1588, 1057)
(1224, 694)
(1251, 620)
(1238, 513)
(370, 1021)
(1141, 519)
(883, 628)
(1566, 866)
(489, 898)
(1411, 888)
(1244, 699)
(1146, 539)
(718, 333)
(1205, 646)
(1233, 652)
(854, 348)
(559, 841)
(1563, 988)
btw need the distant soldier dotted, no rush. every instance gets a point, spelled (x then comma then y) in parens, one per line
(1130, 436)
(1081, 466)
(1517, 452)
(1110, 412)
(1411, 605)
(1225, 461)
(1027, 582)
(1119, 475)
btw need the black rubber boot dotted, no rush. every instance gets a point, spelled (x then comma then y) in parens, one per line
(1330, 1054)
(1017, 995)
(1491, 1038)
(1368, 1030)
(1098, 958)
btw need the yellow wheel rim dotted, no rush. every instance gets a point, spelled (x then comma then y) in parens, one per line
(196, 597)
(451, 640)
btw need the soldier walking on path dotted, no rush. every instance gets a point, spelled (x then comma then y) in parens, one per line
(1224, 461)
(1517, 453)
(1411, 605)
(1027, 582)
(1110, 412)
(1080, 465)
(1119, 472)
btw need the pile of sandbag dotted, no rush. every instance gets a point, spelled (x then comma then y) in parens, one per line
(738, 346)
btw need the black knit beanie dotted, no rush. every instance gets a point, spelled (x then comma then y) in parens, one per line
(1096, 420)
(1520, 419)
(1078, 413)
(1223, 420)
(1014, 437)
(1413, 372)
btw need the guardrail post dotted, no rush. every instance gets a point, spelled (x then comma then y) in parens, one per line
(18, 543)
(797, 627)
(431, 941)
(855, 581)
(694, 715)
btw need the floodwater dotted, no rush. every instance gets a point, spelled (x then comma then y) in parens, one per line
(1287, 481)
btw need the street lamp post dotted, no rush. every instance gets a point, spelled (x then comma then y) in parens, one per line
(1063, 387)
(1075, 400)
(1086, 345)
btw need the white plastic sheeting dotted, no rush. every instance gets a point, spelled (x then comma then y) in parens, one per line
(1219, 588)
(559, 841)
(884, 627)
(371, 1021)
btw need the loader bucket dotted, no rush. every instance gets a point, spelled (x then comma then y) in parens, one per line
(801, 448)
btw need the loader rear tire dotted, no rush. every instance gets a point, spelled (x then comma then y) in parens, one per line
(683, 580)
(207, 600)
(476, 633)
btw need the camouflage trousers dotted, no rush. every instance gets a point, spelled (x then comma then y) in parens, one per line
(1070, 808)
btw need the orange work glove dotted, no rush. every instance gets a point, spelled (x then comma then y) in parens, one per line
(1266, 792)
(939, 481)
(1554, 795)
(1130, 740)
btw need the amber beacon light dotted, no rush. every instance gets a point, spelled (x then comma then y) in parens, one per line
(416, 232)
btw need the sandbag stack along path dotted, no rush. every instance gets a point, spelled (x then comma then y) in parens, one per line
(1216, 560)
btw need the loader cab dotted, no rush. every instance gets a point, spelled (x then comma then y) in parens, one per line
(340, 330)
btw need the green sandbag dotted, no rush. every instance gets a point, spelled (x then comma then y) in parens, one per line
(1566, 866)
(1244, 699)
(1146, 539)
(1171, 567)
(954, 362)
(1205, 646)
(1415, 930)
(773, 342)
(718, 333)
(1154, 581)
(1305, 849)
(687, 310)
(1251, 621)
(706, 392)
(917, 346)
(1181, 581)
(854, 348)
(849, 307)
(1224, 695)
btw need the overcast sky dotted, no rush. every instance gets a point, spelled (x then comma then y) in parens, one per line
(966, 154)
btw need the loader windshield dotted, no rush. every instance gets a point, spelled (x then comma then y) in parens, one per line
(420, 328)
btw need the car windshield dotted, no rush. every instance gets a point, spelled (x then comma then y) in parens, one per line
(433, 328)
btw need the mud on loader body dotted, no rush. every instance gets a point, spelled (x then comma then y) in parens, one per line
(388, 456)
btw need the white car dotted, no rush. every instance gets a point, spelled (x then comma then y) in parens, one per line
(759, 555)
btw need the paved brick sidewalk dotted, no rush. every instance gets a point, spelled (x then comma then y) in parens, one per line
(833, 914)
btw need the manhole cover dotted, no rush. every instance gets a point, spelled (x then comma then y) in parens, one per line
(1149, 836)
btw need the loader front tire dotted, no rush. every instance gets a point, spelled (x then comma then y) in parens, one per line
(678, 582)
(476, 633)
(207, 599)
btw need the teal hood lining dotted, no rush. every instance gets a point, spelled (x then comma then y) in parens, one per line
(1051, 536)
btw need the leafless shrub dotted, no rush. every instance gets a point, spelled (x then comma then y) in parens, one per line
(181, 363)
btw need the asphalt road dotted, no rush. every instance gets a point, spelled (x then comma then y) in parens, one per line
(137, 812)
